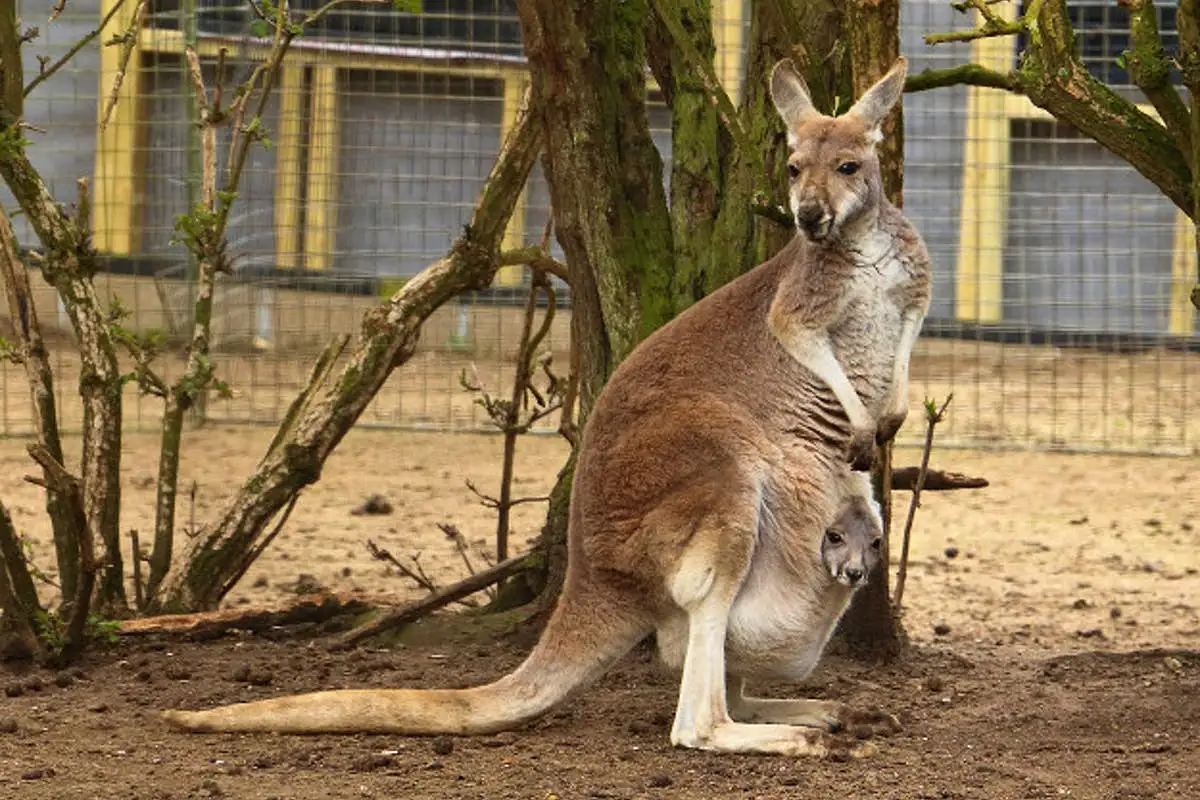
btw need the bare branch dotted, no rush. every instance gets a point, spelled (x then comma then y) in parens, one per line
(416, 573)
(51, 69)
(933, 415)
(40, 375)
(127, 40)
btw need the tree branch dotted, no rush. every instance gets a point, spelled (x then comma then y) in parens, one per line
(388, 338)
(1150, 67)
(127, 40)
(36, 360)
(962, 75)
(538, 257)
(12, 72)
(83, 42)
(1054, 78)
(68, 265)
(993, 24)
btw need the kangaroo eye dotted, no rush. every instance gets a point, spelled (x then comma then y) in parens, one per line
(793, 170)
(875, 545)
(833, 537)
(848, 167)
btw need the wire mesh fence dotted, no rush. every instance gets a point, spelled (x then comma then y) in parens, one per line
(1060, 317)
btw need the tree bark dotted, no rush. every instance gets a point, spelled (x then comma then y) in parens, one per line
(870, 627)
(36, 360)
(327, 410)
(1189, 62)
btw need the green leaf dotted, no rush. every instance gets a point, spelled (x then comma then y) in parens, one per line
(408, 6)
(1123, 59)
(260, 28)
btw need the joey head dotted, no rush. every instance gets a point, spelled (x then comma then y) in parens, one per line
(851, 546)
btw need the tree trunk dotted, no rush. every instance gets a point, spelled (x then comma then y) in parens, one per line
(870, 627)
(587, 67)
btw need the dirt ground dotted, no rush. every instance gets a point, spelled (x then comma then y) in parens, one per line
(1066, 594)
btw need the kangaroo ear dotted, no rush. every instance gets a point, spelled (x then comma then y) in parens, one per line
(875, 104)
(790, 94)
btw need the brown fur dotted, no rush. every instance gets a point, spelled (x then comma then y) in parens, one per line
(711, 467)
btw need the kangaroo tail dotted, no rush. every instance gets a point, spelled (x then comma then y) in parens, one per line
(586, 634)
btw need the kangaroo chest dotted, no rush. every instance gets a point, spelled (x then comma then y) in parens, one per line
(867, 334)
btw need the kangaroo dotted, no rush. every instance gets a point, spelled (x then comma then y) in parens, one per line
(712, 470)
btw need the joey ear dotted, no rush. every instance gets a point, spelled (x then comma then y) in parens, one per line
(790, 94)
(877, 101)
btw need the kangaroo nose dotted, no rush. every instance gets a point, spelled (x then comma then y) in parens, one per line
(809, 217)
(853, 575)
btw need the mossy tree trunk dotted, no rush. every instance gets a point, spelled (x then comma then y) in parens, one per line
(586, 61)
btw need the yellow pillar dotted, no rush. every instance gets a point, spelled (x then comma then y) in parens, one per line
(288, 169)
(984, 215)
(729, 36)
(514, 235)
(1182, 320)
(116, 182)
(320, 222)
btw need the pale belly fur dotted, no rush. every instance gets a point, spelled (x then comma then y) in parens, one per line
(778, 627)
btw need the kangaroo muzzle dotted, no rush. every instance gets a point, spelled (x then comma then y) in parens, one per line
(815, 220)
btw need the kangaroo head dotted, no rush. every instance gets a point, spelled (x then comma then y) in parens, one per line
(833, 165)
(852, 545)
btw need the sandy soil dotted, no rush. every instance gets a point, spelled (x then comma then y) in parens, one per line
(1055, 586)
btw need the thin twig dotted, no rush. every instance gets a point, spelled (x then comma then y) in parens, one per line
(933, 416)
(416, 574)
(128, 41)
(460, 543)
(45, 74)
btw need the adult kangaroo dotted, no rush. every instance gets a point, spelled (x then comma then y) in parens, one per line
(712, 466)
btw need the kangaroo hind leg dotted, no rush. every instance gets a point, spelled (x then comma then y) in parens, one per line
(705, 582)
(821, 714)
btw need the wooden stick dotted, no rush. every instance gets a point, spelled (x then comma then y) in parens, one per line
(403, 615)
(936, 480)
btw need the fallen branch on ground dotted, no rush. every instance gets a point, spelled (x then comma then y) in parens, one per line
(212, 624)
(413, 611)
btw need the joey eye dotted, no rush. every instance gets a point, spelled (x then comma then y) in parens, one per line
(833, 537)
(793, 170)
(848, 167)
(876, 544)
